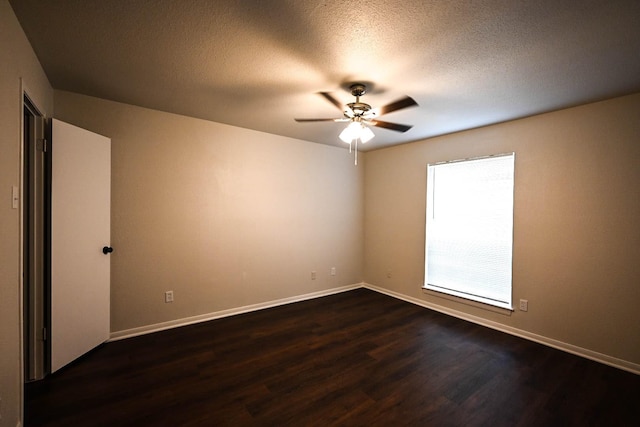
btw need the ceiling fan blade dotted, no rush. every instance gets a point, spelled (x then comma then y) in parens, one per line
(405, 102)
(391, 126)
(332, 100)
(321, 120)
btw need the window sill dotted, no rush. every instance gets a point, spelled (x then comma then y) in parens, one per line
(465, 301)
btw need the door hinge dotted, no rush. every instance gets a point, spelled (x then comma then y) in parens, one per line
(41, 145)
(44, 334)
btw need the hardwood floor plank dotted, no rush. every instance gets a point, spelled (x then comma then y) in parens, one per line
(357, 358)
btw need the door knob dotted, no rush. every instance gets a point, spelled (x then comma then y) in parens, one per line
(107, 250)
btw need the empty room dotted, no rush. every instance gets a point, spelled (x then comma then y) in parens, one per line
(319, 213)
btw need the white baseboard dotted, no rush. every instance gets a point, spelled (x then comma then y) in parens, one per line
(148, 329)
(569, 348)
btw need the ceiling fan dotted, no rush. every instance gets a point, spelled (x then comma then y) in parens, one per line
(360, 116)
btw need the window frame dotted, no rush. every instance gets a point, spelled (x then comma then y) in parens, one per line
(444, 291)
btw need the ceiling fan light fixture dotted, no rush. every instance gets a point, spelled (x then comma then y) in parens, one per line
(366, 134)
(356, 130)
(351, 132)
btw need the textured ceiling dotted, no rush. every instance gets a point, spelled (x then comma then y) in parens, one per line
(258, 64)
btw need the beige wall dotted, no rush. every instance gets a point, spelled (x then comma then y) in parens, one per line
(17, 60)
(225, 217)
(576, 226)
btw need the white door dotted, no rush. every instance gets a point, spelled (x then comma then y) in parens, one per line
(80, 229)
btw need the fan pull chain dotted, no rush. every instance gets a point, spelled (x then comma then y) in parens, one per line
(356, 156)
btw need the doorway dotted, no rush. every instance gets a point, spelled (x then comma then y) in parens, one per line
(36, 244)
(66, 233)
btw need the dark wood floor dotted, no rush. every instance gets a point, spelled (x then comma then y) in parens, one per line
(357, 358)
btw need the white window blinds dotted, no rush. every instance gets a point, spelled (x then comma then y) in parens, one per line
(469, 229)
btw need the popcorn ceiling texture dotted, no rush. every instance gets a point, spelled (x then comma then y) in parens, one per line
(258, 65)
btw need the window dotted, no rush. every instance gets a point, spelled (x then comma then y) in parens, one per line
(469, 229)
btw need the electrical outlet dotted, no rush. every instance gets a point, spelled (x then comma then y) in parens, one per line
(524, 305)
(168, 296)
(333, 271)
(313, 275)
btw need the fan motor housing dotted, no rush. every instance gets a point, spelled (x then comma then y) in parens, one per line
(359, 108)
